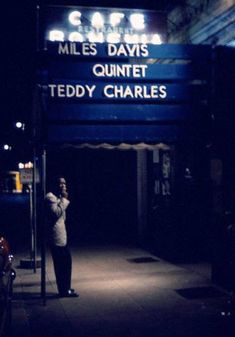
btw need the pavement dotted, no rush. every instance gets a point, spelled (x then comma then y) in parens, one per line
(124, 291)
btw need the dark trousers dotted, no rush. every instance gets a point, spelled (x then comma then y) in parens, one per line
(63, 267)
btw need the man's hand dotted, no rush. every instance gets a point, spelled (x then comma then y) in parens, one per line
(64, 194)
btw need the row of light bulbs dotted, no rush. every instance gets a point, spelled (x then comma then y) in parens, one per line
(58, 35)
(137, 20)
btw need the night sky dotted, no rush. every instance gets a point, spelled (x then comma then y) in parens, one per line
(19, 62)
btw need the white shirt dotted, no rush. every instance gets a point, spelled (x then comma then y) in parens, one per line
(56, 216)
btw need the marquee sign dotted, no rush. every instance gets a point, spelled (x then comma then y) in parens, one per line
(129, 79)
(100, 25)
(125, 51)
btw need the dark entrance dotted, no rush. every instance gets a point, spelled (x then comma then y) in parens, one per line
(179, 202)
(102, 185)
(159, 198)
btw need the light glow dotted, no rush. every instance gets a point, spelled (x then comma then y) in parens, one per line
(56, 35)
(117, 26)
(76, 37)
(20, 165)
(144, 38)
(28, 165)
(95, 37)
(137, 21)
(156, 39)
(115, 18)
(6, 147)
(75, 18)
(19, 125)
(97, 20)
(131, 38)
(114, 38)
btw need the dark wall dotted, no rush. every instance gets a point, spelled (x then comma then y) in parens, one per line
(179, 223)
(19, 40)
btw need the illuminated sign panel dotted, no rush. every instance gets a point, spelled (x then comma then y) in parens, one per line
(72, 79)
(99, 25)
(106, 71)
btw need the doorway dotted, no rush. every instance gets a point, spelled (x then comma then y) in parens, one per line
(179, 205)
(158, 197)
(102, 188)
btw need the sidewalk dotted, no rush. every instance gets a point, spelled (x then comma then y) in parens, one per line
(124, 292)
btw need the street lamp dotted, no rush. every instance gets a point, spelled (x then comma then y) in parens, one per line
(20, 125)
(7, 147)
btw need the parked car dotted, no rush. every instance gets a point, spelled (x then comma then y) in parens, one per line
(7, 276)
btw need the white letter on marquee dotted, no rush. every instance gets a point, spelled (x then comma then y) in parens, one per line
(52, 91)
(98, 72)
(112, 49)
(90, 90)
(70, 90)
(163, 92)
(106, 88)
(63, 49)
(61, 90)
(74, 18)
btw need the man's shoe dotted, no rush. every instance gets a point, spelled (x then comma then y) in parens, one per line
(69, 293)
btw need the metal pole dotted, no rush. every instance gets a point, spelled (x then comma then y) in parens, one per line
(31, 222)
(34, 225)
(43, 234)
(142, 194)
(39, 111)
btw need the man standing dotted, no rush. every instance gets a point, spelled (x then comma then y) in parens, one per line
(56, 204)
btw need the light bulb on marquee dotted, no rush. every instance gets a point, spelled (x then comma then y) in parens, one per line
(143, 38)
(137, 21)
(75, 37)
(56, 35)
(75, 18)
(97, 20)
(95, 37)
(113, 38)
(115, 18)
(128, 38)
(156, 39)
